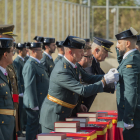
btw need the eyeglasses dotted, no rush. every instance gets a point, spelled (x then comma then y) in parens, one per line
(90, 57)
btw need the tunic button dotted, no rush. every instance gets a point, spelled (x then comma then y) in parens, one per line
(73, 93)
(2, 121)
(42, 74)
(40, 93)
(6, 92)
(132, 119)
(82, 101)
(62, 111)
(123, 105)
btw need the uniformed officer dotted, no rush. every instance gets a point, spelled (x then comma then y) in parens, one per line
(36, 88)
(87, 41)
(60, 49)
(65, 87)
(19, 63)
(128, 87)
(86, 61)
(27, 54)
(100, 49)
(7, 31)
(138, 43)
(13, 79)
(7, 112)
(49, 48)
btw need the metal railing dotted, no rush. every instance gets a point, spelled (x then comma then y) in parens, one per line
(49, 18)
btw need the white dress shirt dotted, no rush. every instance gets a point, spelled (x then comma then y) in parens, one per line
(73, 65)
(48, 55)
(35, 59)
(4, 71)
(129, 52)
(61, 55)
(21, 57)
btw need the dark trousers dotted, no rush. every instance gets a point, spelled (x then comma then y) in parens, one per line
(7, 130)
(22, 115)
(32, 124)
(45, 130)
(131, 134)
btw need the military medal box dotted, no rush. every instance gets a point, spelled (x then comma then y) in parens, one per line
(67, 126)
(88, 134)
(51, 136)
(93, 116)
(83, 120)
(101, 130)
(109, 127)
(110, 112)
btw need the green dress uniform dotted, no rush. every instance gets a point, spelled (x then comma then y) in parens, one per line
(13, 79)
(57, 59)
(26, 58)
(36, 89)
(7, 112)
(19, 64)
(128, 91)
(47, 63)
(64, 91)
(47, 60)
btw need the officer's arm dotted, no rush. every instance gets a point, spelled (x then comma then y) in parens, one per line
(119, 58)
(65, 79)
(130, 77)
(18, 74)
(88, 78)
(30, 81)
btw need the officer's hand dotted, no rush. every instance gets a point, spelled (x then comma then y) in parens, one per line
(128, 126)
(111, 76)
(83, 108)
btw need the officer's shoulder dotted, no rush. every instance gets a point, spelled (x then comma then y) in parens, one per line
(132, 62)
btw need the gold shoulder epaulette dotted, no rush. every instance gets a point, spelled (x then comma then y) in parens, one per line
(128, 66)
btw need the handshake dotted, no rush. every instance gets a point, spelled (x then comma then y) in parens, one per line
(112, 76)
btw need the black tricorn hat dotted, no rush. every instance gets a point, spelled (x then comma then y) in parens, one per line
(6, 43)
(59, 44)
(47, 40)
(126, 34)
(87, 39)
(33, 45)
(14, 44)
(38, 38)
(74, 42)
(20, 45)
(103, 43)
(7, 30)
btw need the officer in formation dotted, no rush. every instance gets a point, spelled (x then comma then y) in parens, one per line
(128, 87)
(49, 48)
(7, 31)
(60, 49)
(100, 49)
(36, 85)
(7, 111)
(19, 64)
(64, 90)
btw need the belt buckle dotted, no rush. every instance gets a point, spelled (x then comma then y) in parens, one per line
(14, 113)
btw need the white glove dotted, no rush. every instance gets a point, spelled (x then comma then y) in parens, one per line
(111, 76)
(128, 126)
(21, 95)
